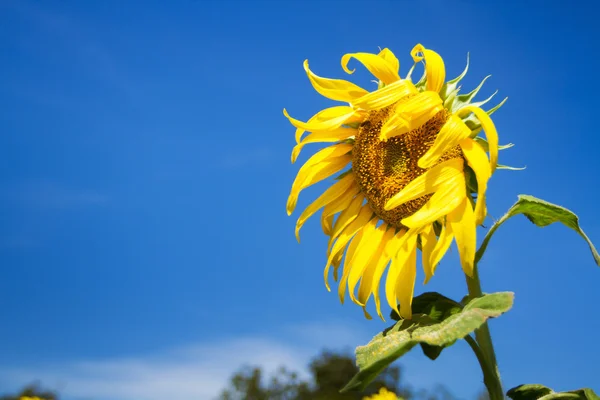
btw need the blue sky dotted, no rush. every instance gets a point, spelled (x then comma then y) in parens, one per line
(144, 243)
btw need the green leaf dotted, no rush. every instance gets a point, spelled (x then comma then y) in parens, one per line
(437, 307)
(486, 146)
(473, 122)
(542, 214)
(442, 324)
(538, 392)
(500, 166)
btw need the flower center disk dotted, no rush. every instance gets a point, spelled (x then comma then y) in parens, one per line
(384, 168)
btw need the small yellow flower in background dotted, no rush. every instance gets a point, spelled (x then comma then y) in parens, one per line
(383, 394)
(30, 398)
(417, 175)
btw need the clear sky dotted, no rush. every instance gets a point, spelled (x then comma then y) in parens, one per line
(145, 166)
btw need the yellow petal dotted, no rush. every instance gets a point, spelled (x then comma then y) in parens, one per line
(490, 131)
(387, 55)
(405, 284)
(325, 120)
(446, 199)
(385, 96)
(348, 261)
(335, 135)
(326, 222)
(358, 260)
(321, 165)
(334, 89)
(451, 134)
(328, 119)
(409, 242)
(375, 267)
(478, 161)
(441, 247)
(428, 243)
(346, 217)
(332, 193)
(462, 222)
(358, 223)
(434, 66)
(412, 114)
(391, 248)
(378, 66)
(427, 183)
(368, 249)
(339, 204)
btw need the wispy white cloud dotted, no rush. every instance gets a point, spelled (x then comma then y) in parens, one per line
(197, 371)
(201, 370)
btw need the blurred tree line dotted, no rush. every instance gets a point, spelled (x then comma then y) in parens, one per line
(329, 372)
(32, 390)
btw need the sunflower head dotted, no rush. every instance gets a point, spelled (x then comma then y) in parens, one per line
(412, 174)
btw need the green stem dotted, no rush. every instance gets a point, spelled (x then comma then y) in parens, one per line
(491, 376)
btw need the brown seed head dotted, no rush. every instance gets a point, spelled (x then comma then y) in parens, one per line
(383, 169)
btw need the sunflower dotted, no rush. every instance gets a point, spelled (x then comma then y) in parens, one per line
(383, 394)
(417, 177)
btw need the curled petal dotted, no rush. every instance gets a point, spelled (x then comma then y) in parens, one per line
(490, 131)
(391, 58)
(434, 66)
(462, 222)
(334, 89)
(479, 163)
(378, 66)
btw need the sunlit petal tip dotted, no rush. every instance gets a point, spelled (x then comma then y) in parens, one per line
(295, 153)
(334, 89)
(406, 311)
(434, 66)
(468, 268)
(326, 278)
(367, 315)
(345, 61)
(291, 204)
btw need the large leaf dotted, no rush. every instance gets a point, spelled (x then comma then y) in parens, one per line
(437, 307)
(541, 213)
(396, 341)
(539, 392)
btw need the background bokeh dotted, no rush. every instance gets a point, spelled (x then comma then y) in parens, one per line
(145, 166)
